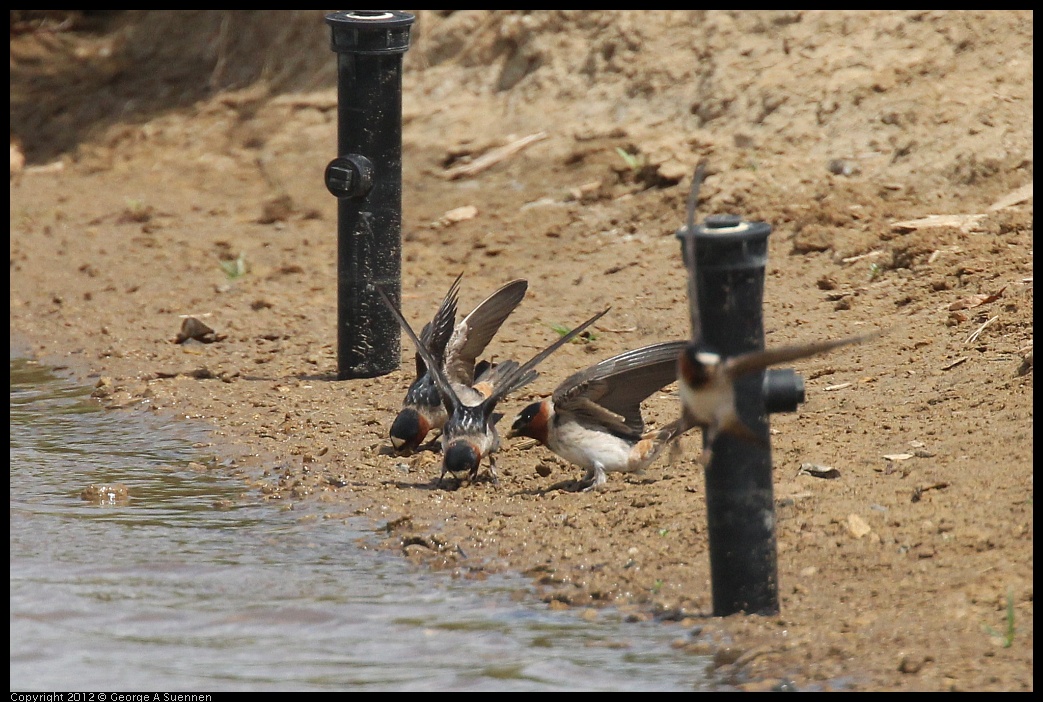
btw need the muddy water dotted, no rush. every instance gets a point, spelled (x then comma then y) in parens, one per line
(187, 586)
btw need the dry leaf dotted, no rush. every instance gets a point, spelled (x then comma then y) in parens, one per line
(192, 328)
(977, 300)
(921, 489)
(817, 471)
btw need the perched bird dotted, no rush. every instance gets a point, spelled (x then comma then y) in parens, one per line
(469, 434)
(454, 347)
(593, 418)
(706, 380)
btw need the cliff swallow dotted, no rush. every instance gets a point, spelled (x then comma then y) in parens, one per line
(454, 347)
(706, 380)
(469, 434)
(593, 418)
(706, 385)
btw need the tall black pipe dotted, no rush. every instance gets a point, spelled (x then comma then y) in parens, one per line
(366, 178)
(731, 256)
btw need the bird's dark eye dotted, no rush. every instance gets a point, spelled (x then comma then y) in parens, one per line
(526, 415)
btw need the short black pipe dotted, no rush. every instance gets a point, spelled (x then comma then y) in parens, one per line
(783, 390)
(730, 259)
(366, 178)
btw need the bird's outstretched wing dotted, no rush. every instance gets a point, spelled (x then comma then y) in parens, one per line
(436, 333)
(476, 330)
(445, 389)
(754, 361)
(620, 384)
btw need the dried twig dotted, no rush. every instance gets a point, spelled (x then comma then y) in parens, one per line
(1013, 198)
(852, 259)
(963, 222)
(977, 332)
(492, 157)
(921, 489)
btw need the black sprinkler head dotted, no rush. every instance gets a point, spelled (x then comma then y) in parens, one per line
(366, 179)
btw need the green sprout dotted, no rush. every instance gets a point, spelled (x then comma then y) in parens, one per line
(581, 338)
(635, 162)
(235, 269)
(135, 211)
(875, 271)
(657, 586)
(1007, 638)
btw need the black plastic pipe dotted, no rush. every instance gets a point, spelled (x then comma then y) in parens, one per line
(731, 256)
(366, 178)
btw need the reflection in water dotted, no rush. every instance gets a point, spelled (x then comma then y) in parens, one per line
(177, 590)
